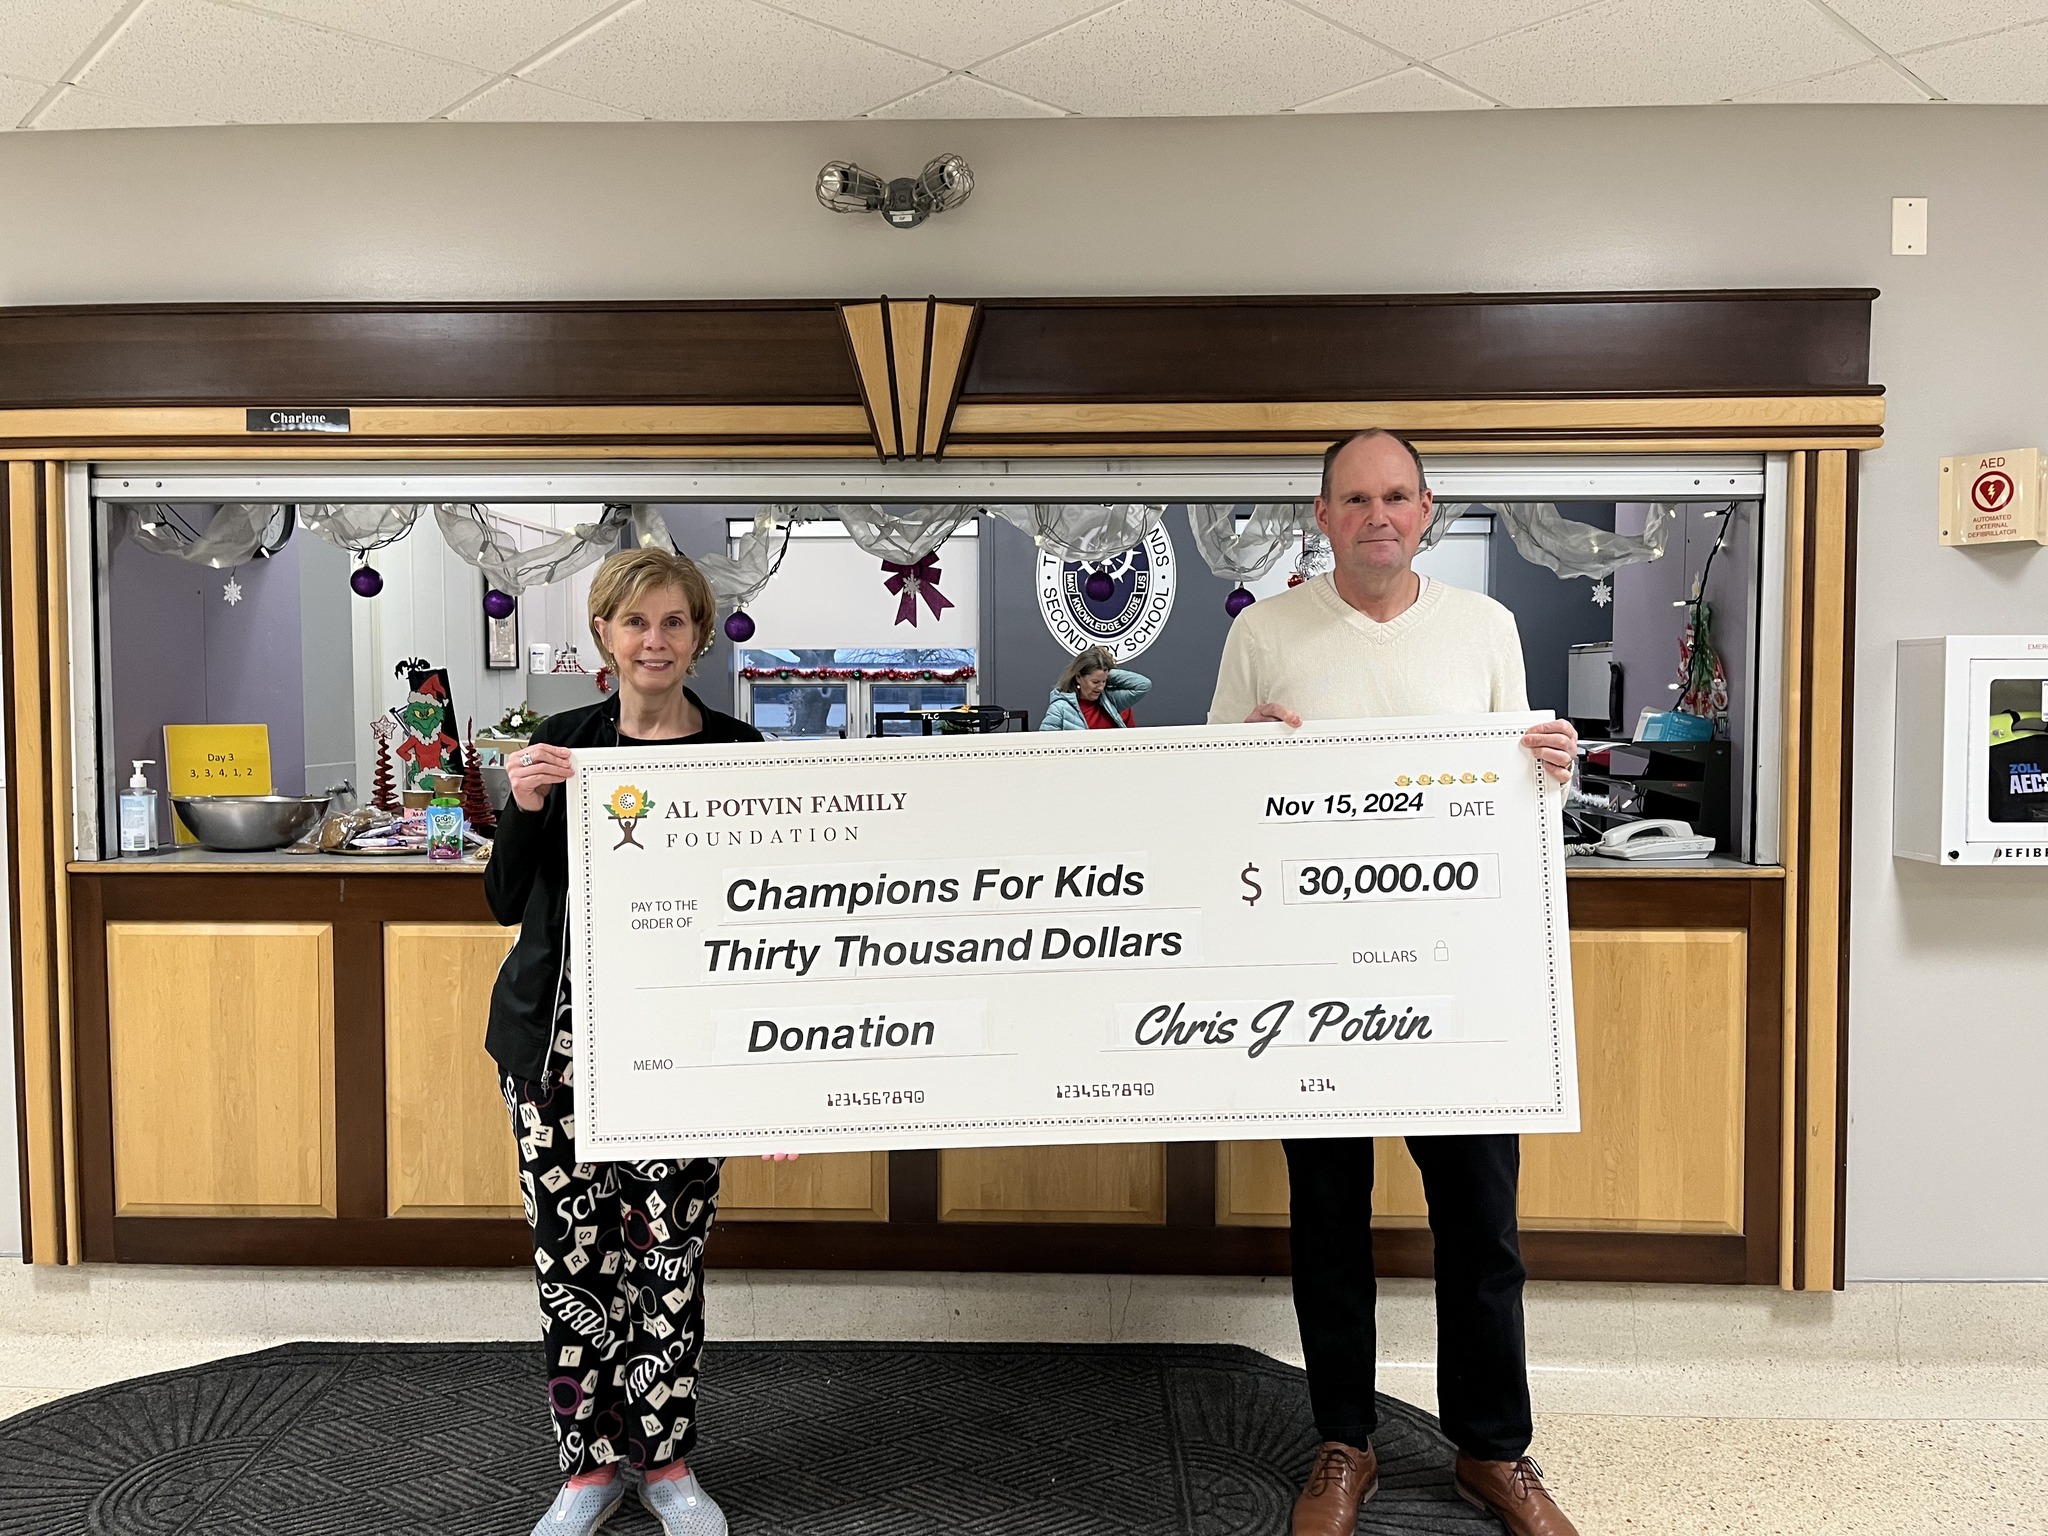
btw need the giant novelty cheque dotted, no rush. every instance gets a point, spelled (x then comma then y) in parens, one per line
(1170, 934)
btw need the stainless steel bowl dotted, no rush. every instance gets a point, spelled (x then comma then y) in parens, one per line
(249, 823)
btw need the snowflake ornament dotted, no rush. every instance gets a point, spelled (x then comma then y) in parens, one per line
(231, 594)
(1603, 592)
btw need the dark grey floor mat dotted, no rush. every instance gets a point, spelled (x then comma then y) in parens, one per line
(799, 1439)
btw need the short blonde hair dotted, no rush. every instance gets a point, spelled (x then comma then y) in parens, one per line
(1096, 658)
(631, 574)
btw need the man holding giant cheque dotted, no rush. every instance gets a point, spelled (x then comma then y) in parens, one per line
(1374, 638)
(1321, 933)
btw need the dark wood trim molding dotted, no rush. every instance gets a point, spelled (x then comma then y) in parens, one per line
(961, 1246)
(1423, 346)
(781, 352)
(1765, 342)
(1845, 820)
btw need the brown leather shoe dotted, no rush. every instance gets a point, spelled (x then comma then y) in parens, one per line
(1513, 1491)
(1343, 1478)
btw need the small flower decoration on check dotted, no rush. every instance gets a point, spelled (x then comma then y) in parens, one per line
(626, 806)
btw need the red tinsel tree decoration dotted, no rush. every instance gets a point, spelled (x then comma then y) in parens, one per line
(476, 805)
(383, 791)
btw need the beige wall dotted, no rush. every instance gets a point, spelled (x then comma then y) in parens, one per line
(1949, 1078)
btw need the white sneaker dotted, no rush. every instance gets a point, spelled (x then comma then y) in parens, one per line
(683, 1507)
(580, 1511)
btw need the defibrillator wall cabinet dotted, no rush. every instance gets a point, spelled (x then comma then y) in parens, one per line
(1970, 760)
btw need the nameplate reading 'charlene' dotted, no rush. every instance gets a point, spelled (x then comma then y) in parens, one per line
(1169, 934)
(279, 418)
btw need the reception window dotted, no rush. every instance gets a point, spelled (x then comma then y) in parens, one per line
(836, 652)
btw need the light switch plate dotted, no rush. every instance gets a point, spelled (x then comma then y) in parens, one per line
(1909, 226)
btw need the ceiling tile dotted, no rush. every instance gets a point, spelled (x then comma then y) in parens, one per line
(1143, 59)
(521, 101)
(1876, 81)
(41, 39)
(1656, 52)
(964, 96)
(80, 108)
(1428, 29)
(222, 64)
(17, 99)
(956, 34)
(2010, 67)
(1896, 25)
(714, 60)
(490, 34)
(1412, 90)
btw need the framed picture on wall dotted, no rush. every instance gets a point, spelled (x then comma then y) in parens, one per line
(501, 640)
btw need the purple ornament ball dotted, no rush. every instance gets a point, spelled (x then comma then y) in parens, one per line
(366, 580)
(1099, 587)
(1238, 601)
(499, 605)
(739, 626)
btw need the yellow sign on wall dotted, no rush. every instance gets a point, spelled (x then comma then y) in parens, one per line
(215, 760)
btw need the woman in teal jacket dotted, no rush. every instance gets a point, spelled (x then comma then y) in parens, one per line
(1093, 694)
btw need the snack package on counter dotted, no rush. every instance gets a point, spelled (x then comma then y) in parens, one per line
(444, 828)
(340, 828)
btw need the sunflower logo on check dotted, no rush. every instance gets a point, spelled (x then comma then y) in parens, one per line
(626, 806)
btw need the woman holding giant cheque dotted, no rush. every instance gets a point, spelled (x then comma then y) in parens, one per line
(618, 1245)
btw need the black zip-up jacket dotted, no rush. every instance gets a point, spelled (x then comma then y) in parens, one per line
(527, 882)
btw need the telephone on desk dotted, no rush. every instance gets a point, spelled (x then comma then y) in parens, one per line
(1652, 840)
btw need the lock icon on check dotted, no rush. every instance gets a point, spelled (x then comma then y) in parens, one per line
(1443, 950)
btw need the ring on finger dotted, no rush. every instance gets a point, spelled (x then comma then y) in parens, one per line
(526, 759)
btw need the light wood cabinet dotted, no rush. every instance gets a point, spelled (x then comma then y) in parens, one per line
(1090, 1184)
(1661, 1018)
(448, 1144)
(220, 1042)
(829, 1186)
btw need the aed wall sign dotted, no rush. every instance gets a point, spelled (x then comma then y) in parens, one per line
(1993, 498)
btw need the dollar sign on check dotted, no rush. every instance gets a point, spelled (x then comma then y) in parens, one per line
(1257, 890)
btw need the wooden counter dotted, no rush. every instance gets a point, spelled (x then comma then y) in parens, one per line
(279, 1060)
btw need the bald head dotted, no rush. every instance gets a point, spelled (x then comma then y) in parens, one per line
(1339, 448)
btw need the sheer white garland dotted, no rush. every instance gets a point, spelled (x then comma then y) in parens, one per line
(901, 535)
(360, 527)
(231, 538)
(737, 579)
(1565, 545)
(1092, 533)
(1244, 552)
(474, 537)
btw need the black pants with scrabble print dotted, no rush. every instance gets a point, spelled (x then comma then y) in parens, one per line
(1482, 1374)
(618, 1249)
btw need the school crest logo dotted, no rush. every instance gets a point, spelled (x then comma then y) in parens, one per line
(1130, 617)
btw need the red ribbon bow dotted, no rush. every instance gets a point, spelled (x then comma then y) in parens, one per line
(909, 581)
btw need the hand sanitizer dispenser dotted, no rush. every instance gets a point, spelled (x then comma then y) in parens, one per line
(138, 812)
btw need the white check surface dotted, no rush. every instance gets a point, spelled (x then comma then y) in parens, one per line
(1168, 934)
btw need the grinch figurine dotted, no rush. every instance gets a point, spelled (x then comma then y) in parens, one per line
(430, 745)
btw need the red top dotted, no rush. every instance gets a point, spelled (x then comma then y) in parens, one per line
(1099, 718)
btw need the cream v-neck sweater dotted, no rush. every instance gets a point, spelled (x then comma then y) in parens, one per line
(1451, 652)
